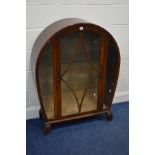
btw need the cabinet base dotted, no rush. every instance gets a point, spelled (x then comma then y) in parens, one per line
(47, 125)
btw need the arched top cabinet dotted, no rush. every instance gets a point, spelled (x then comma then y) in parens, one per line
(76, 67)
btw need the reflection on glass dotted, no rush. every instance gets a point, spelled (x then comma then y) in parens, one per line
(46, 81)
(79, 72)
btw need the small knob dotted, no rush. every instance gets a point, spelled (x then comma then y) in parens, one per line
(109, 90)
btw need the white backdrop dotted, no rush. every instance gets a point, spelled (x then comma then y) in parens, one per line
(110, 14)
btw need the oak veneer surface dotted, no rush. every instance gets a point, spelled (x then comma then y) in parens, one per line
(76, 72)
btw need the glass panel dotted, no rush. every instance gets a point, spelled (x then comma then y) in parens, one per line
(79, 72)
(46, 81)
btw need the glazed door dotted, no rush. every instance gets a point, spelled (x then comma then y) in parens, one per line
(81, 73)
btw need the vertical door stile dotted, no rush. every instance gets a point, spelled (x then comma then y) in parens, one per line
(56, 77)
(102, 72)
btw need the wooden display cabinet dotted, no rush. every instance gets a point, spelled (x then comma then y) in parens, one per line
(76, 73)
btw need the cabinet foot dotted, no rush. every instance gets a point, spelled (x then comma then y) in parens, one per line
(40, 114)
(46, 128)
(109, 116)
